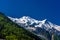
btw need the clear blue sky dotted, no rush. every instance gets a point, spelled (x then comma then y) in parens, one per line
(38, 9)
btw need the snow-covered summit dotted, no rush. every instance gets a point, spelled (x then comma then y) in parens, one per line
(28, 20)
(30, 23)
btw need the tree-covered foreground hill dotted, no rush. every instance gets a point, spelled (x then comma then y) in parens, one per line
(11, 31)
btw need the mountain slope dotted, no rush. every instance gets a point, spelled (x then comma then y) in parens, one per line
(30, 22)
(44, 27)
(11, 31)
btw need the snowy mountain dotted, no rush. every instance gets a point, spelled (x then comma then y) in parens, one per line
(36, 25)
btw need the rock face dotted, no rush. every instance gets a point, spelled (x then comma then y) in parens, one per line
(52, 36)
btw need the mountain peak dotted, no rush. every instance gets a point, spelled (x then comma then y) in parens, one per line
(28, 22)
(27, 19)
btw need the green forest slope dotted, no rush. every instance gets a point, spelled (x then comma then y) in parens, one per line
(11, 31)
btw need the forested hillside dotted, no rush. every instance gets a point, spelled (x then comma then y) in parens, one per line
(11, 31)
